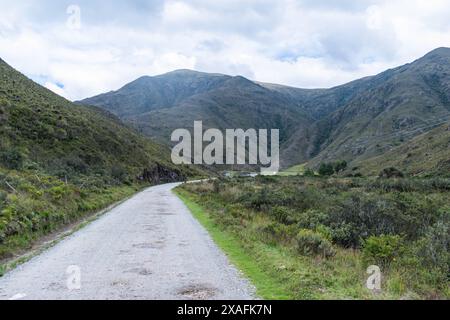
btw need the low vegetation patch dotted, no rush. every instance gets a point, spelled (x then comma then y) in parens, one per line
(33, 205)
(316, 237)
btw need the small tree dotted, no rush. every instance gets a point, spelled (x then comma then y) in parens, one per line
(340, 166)
(12, 159)
(326, 169)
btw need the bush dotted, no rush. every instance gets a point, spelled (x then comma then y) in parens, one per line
(382, 250)
(278, 233)
(311, 219)
(283, 215)
(119, 173)
(12, 159)
(391, 173)
(434, 247)
(340, 166)
(326, 169)
(311, 243)
(358, 217)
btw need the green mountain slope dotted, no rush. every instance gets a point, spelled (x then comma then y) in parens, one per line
(151, 93)
(49, 133)
(237, 103)
(60, 161)
(410, 100)
(427, 154)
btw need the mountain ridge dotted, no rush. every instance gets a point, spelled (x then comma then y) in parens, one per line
(354, 121)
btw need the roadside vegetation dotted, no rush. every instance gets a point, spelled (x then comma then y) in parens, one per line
(59, 162)
(314, 238)
(33, 205)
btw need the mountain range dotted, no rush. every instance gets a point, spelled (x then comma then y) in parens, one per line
(354, 122)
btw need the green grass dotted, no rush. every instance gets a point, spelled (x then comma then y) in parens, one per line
(257, 223)
(34, 211)
(294, 171)
(267, 288)
(277, 272)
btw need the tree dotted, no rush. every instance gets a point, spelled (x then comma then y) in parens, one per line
(12, 159)
(340, 166)
(326, 169)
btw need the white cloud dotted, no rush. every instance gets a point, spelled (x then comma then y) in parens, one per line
(300, 43)
(55, 88)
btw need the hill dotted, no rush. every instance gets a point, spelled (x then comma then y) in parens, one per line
(158, 105)
(399, 105)
(425, 155)
(60, 161)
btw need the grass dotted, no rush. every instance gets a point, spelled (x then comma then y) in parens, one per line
(294, 171)
(257, 223)
(267, 287)
(27, 218)
(25, 252)
(277, 272)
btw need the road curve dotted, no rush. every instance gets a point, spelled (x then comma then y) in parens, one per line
(149, 247)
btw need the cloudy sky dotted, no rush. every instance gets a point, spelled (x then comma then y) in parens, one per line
(83, 48)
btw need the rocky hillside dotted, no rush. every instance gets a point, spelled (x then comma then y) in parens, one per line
(399, 105)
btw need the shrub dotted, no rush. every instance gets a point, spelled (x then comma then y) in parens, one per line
(311, 243)
(391, 173)
(358, 217)
(434, 247)
(311, 219)
(12, 159)
(382, 250)
(119, 173)
(283, 215)
(309, 173)
(278, 233)
(326, 169)
(340, 166)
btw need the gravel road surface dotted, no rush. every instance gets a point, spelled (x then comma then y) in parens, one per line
(149, 247)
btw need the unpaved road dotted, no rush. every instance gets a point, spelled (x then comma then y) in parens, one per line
(149, 247)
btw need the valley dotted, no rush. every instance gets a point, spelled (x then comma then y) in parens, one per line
(365, 182)
(355, 122)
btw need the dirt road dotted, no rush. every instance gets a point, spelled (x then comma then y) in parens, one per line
(149, 247)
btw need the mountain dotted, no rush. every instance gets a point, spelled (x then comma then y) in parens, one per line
(353, 122)
(153, 93)
(158, 105)
(45, 132)
(425, 155)
(398, 105)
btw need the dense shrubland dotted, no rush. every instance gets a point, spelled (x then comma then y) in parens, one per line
(401, 225)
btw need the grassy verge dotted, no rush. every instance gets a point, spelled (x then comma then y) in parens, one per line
(267, 287)
(39, 211)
